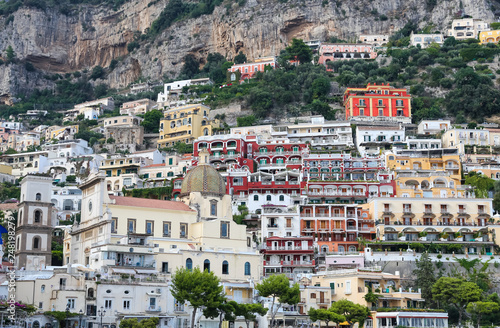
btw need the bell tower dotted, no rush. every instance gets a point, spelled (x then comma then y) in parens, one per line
(34, 224)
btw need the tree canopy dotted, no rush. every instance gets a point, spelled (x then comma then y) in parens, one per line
(456, 293)
(278, 288)
(199, 288)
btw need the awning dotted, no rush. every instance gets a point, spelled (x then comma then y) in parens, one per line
(126, 271)
(345, 323)
(84, 269)
(146, 271)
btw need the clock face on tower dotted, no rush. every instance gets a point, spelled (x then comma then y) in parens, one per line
(90, 206)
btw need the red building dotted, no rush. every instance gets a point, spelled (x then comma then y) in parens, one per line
(377, 102)
(245, 71)
(288, 255)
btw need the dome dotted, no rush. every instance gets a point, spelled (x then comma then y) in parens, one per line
(204, 179)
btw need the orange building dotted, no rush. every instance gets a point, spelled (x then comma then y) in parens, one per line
(336, 227)
(378, 103)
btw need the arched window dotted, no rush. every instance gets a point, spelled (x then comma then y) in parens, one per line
(255, 197)
(205, 132)
(36, 324)
(42, 288)
(189, 264)
(36, 242)
(38, 196)
(247, 268)
(38, 216)
(225, 267)
(206, 265)
(268, 198)
(282, 198)
(90, 293)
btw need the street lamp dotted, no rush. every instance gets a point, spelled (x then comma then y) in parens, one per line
(67, 314)
(80, 315)
(101, 313)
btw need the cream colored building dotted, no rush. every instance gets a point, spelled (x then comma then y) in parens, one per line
(376, 40)
(141, 106)
(463, 220)
(467, 28)
(143, 237)
(459, 138)
(184, 124)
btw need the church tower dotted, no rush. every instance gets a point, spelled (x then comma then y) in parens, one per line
(34, 224)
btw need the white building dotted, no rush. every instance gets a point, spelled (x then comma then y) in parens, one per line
(433, 126)
(416, 143)
(13, 125)
(372, 139)
(318, 132)
(279, 220)
(173, 90)
(67, 200)
(425, 40)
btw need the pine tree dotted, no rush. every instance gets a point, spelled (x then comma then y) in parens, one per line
(426, 278)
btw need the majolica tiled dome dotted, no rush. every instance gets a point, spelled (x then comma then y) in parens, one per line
(204, 179)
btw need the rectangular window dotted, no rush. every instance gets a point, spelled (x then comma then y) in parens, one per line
(348, 287)
(131, 225)
(380, 102)
(288, 223)
(71, 303)
(152, 303)
(114, 222)
(40, 305)
(164, 267)
(62, 283)
(407, 208)
(213, 208)
(149, 227)
(108, 304)
(444, 208)
(224, 229)
(480, 208)
(361, 112)
(166, 228)
(184, 230)
(170, 161)
(126, 305)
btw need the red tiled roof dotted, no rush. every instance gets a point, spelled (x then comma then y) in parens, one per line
(153, 165)
(151, 203)
(8, 206)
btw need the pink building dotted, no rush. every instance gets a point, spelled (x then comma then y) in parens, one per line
(248, 70)
(344, 51)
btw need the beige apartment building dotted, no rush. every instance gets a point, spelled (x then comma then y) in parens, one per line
(464, 220)
(184, 124)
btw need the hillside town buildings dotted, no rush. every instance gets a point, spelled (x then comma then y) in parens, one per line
(316, 200)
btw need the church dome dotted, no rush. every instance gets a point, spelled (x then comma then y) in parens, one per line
(204, 179)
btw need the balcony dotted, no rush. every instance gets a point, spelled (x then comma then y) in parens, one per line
(179, 308)
(153, 309)
(323, 301)
(272, 226)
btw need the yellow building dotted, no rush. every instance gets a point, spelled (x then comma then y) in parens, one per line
(427, 173)
(431, 220)
(5, 169)
(122, 171)
(489, 36)
(59, 132)
(184, 124)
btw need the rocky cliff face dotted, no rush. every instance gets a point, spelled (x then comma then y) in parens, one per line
(91, 36)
